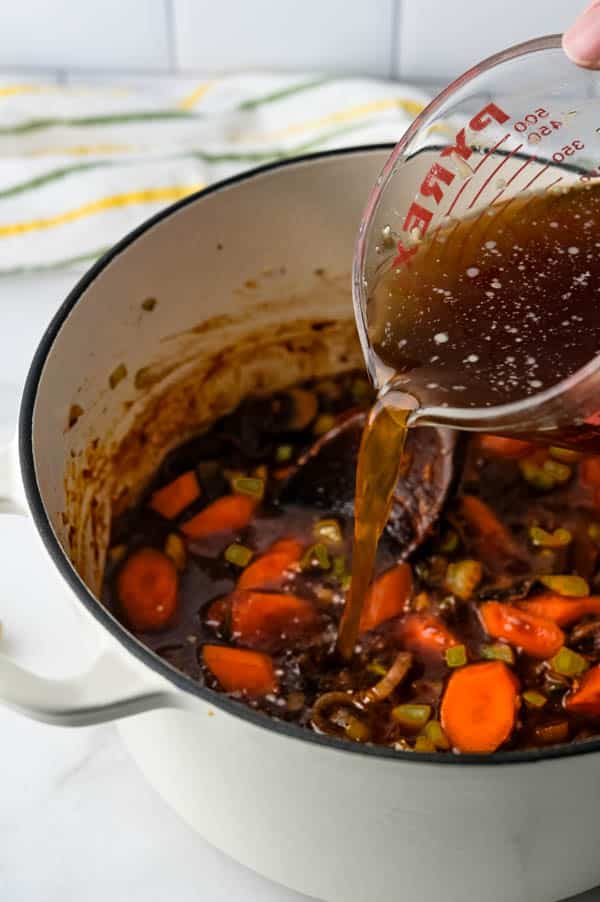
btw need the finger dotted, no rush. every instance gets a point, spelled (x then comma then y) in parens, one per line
(581, 42)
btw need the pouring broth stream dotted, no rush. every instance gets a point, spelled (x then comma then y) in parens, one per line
(488, 311)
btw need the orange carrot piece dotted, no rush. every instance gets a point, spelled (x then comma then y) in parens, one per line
(176, 496)
(589, 471)
(240, 670)
(218, 612)
(510, 448)
(491, 537)
(537, 636)
(586, 698)
(270, 618)
(479, 706)
(425, 633)
(270, 568)
(147, 589)
(226, 514)
(387, 597)
(562, 610)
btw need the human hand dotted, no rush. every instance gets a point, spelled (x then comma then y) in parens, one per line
(581, 42)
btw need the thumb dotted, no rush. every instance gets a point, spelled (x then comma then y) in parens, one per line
(581, 42)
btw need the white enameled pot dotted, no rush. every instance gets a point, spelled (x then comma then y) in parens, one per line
(249, 284)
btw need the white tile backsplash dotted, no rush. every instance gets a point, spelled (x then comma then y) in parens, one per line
(95, 34)
(327, 35)
(439, 40)
(419, 40)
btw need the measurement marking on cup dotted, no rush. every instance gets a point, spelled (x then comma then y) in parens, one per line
(448, 237)
(491, 151)
(514, 176)
(493, 173)
(458, 194)
(535, 177)
(555, 182)
(420, 214)
(434, 240)
(520, 169)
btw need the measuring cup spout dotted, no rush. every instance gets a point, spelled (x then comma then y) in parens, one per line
(566, 414)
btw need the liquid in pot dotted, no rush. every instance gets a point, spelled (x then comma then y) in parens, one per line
(234, 567)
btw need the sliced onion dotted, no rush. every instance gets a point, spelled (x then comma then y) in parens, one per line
(319, 716)
(387, 683)
(381, 690)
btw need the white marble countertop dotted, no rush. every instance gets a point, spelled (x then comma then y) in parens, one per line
(77, 820)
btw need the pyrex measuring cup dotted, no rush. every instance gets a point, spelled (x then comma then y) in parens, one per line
(525, 120)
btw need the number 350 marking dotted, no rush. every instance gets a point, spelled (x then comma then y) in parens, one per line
(568, 150)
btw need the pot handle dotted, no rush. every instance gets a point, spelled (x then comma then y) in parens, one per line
(111, 689)
(12, 494)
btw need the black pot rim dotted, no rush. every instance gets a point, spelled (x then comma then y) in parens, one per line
(103, 616)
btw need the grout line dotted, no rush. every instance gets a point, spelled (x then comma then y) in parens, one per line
(79, 72)
(83, 72)
(37, 71)
(171, 35)
(395, 25)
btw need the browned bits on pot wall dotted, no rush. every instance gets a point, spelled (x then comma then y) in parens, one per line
(75, 411)
(117, 375)
(196, 378)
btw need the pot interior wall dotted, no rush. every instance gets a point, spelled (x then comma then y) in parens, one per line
(217, 299)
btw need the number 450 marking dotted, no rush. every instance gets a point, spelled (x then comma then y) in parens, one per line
(533, 118)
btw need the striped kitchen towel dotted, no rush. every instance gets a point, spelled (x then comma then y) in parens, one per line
(82, 163)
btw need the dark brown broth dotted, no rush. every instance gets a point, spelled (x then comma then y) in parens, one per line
(248, 439)
(495, 308)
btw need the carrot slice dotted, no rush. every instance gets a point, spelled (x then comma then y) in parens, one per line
(240, 670)
(589, 471)
(147, 589)
(218, 612)
(176, 496)
(425, 633)
(500, 446)
(562, 610)
(226, 514)
(387, 597)
(537, 636)
(270, 618)
(490, 536)
(586, 698)
(270, 568)
(479, 706)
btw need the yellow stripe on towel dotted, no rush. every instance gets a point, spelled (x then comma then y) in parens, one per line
(189, 102)
(144, 196)
(82, 150)
(412, 107)
(12, 90)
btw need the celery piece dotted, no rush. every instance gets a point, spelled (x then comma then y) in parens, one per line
(568, 662)
(238, 555)
(411, 716)
(456, 656)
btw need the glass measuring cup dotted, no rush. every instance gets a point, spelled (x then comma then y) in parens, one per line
(524, 121)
